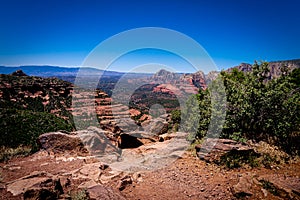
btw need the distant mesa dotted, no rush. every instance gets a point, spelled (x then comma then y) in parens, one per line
(165, 76)
(18, 73)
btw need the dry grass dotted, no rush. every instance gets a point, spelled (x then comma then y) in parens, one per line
(271, 155)
(7, 153)
(80, 195)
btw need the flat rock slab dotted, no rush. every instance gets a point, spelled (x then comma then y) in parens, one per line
(104, 193)
(212, 149)
(283, 186)
(21, 186)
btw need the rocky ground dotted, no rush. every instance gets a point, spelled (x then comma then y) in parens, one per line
(190, 178)
(67, 174)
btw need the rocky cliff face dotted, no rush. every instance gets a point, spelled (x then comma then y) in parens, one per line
(197, 79)
(212, 75)
(274, 67)
(178, 84)
(165, 76)
(244, 67)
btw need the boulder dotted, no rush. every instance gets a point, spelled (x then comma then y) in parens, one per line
(58, 142)
(212, 149)
(99, 142)
(126, 124)
(156, 126)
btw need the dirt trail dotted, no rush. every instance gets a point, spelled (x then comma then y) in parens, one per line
(190, 178)
(186, 178)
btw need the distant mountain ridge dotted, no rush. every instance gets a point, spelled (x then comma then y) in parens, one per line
(56, 71)
(199, 79)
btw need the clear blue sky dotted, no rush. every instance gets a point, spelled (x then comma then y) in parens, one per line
(63, 32)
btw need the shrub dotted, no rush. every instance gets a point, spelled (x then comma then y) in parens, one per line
(22, 127)
(80, 195)
(258, 107)
(235, 159)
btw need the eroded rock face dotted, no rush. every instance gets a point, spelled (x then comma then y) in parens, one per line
(178, 84)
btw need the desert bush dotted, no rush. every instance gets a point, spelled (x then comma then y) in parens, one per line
(234, 159)
(270, 155)
(80, 195)
(7, 153)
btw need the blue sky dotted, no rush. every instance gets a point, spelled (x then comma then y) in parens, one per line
(63, 32)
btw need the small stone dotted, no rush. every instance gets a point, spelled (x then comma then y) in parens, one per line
(103, 166)
(2, 186)
(243, 188)
(265, 192)
(125, 181)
